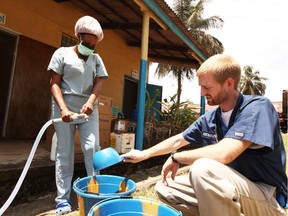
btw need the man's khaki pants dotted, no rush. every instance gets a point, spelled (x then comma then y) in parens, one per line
(213, 189)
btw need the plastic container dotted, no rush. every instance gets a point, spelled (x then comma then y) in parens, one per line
(105, 158)
(92, 189)
(132, 207)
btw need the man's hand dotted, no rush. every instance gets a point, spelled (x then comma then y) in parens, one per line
(134, 156)
(169, 166)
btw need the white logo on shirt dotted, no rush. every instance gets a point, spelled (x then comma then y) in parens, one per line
(208, 135)
(239, 134)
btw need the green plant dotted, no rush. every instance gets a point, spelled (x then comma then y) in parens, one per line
(178, 116)
(174, 118)
(150, 110)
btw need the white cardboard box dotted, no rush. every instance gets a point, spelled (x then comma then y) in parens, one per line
(122, 143)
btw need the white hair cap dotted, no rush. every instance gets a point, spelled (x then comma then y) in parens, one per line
(89, 25)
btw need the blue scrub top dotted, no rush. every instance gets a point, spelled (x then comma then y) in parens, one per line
(254, 119)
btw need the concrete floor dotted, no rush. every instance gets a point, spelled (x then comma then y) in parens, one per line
(15, 152)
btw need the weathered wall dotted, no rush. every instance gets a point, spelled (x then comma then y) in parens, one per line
(40, 25)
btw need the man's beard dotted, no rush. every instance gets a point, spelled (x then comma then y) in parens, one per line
(218, 99)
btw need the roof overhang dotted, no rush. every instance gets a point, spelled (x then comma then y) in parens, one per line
(169, 40)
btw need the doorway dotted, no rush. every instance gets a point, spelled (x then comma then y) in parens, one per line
(130, 96)
(8, 44)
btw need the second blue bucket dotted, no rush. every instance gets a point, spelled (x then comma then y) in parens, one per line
(132, 207)
(92, 189)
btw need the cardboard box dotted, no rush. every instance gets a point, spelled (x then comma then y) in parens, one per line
(105, 117)
(104, 136)
(104, 133)
(105, 107)
(119, 126)
(132, 126)
(122, 143)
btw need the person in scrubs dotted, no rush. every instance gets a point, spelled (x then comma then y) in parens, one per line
(237, 157)
(77, 74)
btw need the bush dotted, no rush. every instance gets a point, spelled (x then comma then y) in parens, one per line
(174, 119)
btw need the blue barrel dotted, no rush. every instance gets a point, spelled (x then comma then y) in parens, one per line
(124, 206)
(92, 189)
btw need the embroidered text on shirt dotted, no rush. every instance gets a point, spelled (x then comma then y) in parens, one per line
(208, 135)
(239, 134)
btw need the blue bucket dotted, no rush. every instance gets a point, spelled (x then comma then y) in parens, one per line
(92, 189)
(124, 206)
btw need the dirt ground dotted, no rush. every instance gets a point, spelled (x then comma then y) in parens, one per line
(45, 205)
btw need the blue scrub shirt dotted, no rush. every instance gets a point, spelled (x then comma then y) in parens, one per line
(253, 119)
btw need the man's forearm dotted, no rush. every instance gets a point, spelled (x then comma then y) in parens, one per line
(167, 146)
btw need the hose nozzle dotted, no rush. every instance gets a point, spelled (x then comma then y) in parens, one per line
(74, 117)
(80, 116)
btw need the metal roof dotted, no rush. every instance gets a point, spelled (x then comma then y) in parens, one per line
(125, 18)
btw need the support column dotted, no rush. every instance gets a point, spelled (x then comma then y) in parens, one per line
(202, 105)
(142, 82)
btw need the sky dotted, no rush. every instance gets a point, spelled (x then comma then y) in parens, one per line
(254, 33)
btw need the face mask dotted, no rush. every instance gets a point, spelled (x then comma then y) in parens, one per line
(85, 51)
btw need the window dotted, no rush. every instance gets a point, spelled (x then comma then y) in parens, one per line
(68, 40)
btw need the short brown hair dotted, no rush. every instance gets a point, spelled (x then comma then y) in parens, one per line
(222, 67)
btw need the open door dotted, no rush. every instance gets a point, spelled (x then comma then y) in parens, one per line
(155, 91)
(8, 44)
(130, 96)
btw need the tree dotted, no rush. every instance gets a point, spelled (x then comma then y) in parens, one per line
(192, 17)
(251, 82)
(178, 72)
(191, 13)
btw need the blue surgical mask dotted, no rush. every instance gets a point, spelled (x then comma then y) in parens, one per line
(85, 51)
